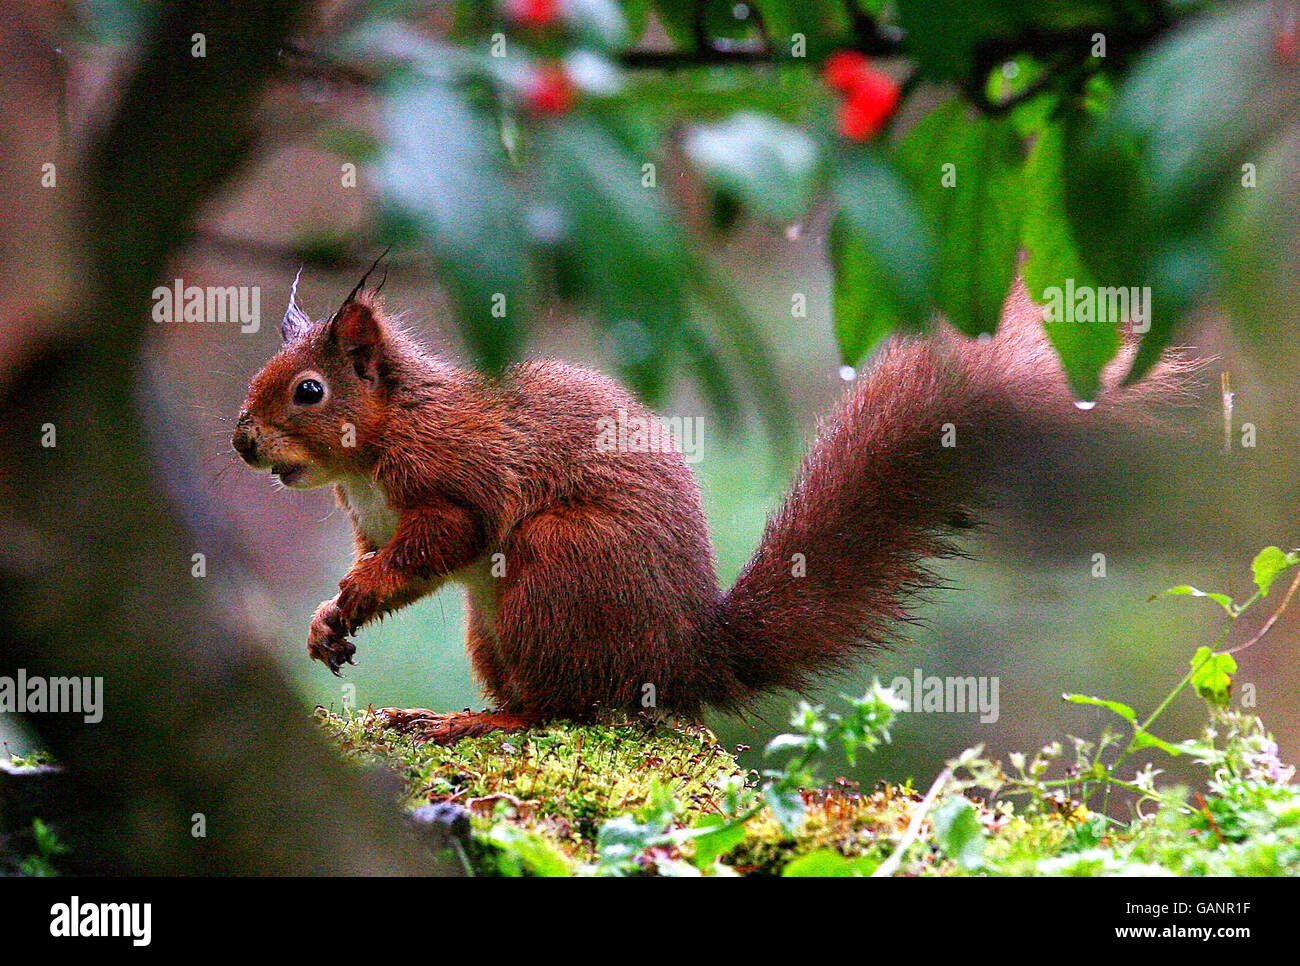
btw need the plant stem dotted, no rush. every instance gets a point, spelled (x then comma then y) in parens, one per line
(887, 868)
(1268, 624)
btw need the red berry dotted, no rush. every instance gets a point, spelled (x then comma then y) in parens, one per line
(550, 91)
(843, 68)
(533, 13)
(872, 99)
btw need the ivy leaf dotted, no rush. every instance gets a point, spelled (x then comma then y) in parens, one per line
(1187, 590)
(1269, 564)
(1123, 710)
(1212, 676)
(957, 830)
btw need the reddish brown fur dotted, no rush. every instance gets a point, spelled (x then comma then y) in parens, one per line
(609, 582)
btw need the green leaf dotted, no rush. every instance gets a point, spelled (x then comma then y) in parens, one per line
(1036, 112)
(1212, 675)
(1145, 739)
(637, 15)
(943, 35)
(1269, 564)
(822, 864)
(967, 174)
(1054, 268)
(525, 852)
(786, 806)
(1186, 590)
(1182, 271)
(621, 839)
(737, 328)
(116, 22)
(444, 182)
(47, 840)
(1149, 183)
(1196, 124)
(713, 845)
(882, 254)
(770, 165)
(1260, 279)
(351, 144)
(1123, 710)
(625, 247)
(957, 830)
(720, 20)
(600, 23)
(863, 306)
(787, 742)
(790, 93)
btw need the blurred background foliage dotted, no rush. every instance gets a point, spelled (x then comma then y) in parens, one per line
(675, 191)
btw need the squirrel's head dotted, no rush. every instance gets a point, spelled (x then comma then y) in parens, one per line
(310, 410)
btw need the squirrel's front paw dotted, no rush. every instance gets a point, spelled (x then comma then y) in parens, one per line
(327, 639)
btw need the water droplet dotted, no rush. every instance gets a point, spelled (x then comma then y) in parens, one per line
(848, 373)
(1084, 404)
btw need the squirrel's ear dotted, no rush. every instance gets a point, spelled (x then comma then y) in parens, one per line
(359, 332)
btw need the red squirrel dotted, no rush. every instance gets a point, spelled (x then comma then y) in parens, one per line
(590, 576)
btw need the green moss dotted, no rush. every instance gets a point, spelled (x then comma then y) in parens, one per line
(841, 819)
(37, 759)
(539, 799)
(555, 786)
(562, 781)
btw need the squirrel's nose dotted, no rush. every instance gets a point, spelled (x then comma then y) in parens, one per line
(244, 441)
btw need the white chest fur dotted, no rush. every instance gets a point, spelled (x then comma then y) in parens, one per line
(369, 503)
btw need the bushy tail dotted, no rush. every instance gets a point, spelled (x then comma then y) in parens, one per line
(892, 475)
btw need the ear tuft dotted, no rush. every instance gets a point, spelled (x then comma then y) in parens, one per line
(296, 322)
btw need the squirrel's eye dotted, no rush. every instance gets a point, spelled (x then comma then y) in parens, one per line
(308, 392)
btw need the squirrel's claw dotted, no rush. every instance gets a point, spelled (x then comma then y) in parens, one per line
(327, 639)
(334, 653)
